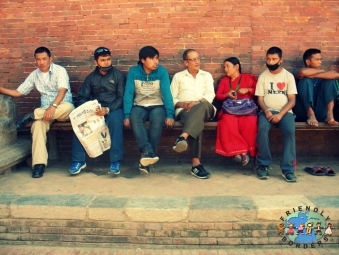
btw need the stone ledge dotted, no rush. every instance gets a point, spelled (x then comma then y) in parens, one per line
(209, 209)
(13, 154)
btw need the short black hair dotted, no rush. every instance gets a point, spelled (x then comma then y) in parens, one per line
(184, 55)
(101, 51)
(274, 50)
(147, 52)
(42, 50)
(309, 53)
(234, 61)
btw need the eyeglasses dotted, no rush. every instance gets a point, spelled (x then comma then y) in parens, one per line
(193, 59)
(101, 50)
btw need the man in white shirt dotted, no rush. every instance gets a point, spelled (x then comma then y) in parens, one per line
(52, 81)
(193, 93)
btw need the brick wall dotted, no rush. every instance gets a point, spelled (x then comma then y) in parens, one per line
(145, 234)
(217, 29)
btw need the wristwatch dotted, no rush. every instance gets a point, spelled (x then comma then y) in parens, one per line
(54, 105)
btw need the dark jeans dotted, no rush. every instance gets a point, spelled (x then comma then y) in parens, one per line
(114, 121)
(327, 93)
(148, 140)
(287, 128)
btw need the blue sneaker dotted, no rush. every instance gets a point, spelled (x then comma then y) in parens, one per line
(115, 167)
(77, 167)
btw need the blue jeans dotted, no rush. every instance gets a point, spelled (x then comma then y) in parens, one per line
(287, 128)
(148, 140)
(114, 121)
(305, 98)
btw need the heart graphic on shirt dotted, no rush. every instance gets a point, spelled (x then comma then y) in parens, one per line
(281, 85)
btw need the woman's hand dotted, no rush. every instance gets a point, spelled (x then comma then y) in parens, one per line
(243, 91)
(231, 94)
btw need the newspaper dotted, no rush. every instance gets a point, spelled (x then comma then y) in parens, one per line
(90, 129)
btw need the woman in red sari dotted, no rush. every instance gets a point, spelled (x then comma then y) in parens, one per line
(236, 134)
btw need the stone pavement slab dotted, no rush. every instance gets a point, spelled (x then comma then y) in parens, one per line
(52, 250)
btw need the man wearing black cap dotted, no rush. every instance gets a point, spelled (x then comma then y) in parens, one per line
(105, 84)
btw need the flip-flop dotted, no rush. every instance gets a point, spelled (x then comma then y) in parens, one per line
(329, 171)
(316, 170)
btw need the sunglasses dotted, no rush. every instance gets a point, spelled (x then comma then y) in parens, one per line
(101, 50)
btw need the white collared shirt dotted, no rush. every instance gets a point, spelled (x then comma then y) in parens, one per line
(185, 87)
(48, 86)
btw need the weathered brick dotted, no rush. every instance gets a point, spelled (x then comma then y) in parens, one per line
(201, 226)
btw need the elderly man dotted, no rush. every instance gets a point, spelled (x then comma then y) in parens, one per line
(193, 93)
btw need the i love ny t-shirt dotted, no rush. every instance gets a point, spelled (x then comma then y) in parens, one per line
(275, 88)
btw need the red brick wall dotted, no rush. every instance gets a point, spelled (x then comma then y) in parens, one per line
(217, 29)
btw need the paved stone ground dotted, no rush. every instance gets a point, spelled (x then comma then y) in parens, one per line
(172, 179)
(48, 250)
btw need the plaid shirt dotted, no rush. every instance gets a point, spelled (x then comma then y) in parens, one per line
(58, 78)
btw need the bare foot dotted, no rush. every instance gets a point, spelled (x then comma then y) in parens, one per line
(330, 120)
(312, 121)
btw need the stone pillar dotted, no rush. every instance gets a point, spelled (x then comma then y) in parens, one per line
(8, 134)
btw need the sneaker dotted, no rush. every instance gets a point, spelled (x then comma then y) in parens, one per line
(200, 172)
(24, 120)
(148, 158)
(144, 169)
(115, 167)
(263, 172)
(180, 144)
(289, 177)
(77, 167)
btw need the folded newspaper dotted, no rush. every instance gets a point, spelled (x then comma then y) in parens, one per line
(90, 129)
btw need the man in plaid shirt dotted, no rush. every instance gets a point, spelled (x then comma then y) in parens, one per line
(52, 82)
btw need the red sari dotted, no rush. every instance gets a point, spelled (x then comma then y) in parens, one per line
(236, 134)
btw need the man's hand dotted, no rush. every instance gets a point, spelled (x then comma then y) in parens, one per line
(101, 112)
(169, 122)
(275, 118)
(127, 123)
(49, 113)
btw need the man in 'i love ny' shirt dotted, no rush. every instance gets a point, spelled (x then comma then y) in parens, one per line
(276, 91)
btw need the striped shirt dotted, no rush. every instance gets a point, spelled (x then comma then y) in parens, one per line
(48, 88)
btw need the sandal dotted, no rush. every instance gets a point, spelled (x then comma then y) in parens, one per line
(245, 159)
(237, 158)
(329, 171)
(316, 170)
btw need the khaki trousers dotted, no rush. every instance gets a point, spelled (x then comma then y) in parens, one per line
(40, 128)
(194, 122)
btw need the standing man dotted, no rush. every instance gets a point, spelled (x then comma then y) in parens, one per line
(52, 81)
(316, 90)
(148, 97)
(276, 92)
(105, 84)
(193, 93)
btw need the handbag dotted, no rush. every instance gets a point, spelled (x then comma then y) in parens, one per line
(241, 106)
